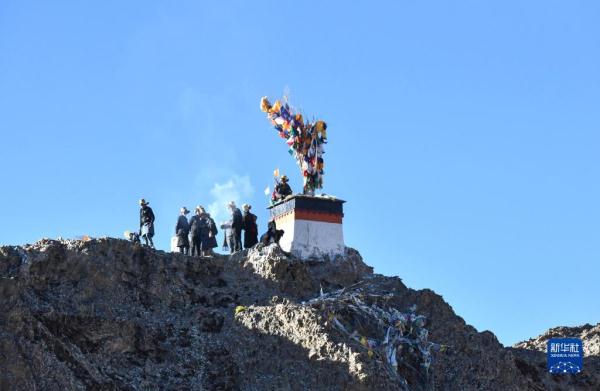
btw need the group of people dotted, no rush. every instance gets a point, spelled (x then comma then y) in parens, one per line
(199, 233)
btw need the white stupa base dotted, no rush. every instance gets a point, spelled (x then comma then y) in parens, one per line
(312, 226)
(312, 239)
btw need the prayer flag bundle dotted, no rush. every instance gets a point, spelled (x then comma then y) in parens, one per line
(305, 140)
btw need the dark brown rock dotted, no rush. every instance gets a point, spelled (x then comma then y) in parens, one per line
(107, 314)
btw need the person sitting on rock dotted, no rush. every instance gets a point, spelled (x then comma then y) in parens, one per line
(282, 189)
(273, 235)
(133, 236)
(146, 223)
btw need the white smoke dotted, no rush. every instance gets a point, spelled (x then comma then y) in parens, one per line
(237, 189)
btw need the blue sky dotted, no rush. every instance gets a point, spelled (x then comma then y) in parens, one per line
(464, 135)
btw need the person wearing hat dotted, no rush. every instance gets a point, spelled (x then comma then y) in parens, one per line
(236, 225)
(197, 230)
(232, 229)
(212, 235)
(282, 189)
(228, 236)
(206, 232)
(273, 235)
(182, 229)
(249, 226)
(146, 223)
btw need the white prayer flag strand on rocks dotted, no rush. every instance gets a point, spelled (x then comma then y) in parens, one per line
(385, 333)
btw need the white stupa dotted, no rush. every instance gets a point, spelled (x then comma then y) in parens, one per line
(312, 225)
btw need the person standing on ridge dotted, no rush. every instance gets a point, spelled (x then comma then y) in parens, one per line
(249, 226)
(196, 225)
(213, 231)
(282, 189)
(229, 236)
(236, 225)
(205, 234)
(182, 229)
(146, 223)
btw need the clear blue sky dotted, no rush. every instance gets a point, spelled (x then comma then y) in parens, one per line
(465, 135)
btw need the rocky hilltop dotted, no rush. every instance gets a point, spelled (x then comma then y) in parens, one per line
(107, 314)
(590, 335)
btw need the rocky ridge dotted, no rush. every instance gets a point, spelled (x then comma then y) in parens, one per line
(107, 314)
(590, 335)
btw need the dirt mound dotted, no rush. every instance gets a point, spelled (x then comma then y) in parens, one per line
(108, 314)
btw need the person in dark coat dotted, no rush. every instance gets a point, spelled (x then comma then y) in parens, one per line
(249, 226)
(282, 189)
(196, 225)
(205, 234)
(236, 225)
(146, 223)
(273, 235)
(212, 242)
(182, 230)
(230, 229)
